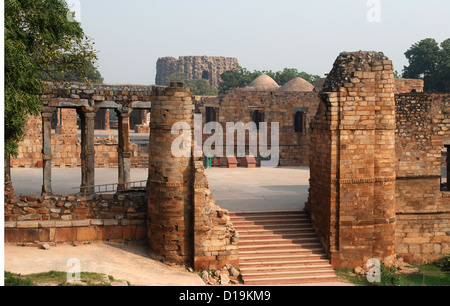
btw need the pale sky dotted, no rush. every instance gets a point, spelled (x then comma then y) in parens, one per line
(131, 35)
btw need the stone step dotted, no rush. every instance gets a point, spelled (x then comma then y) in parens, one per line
(275, 232)
(280, 256)
(283, 268)
(265, 213)
(270, 241)
(292, 280)
(271, 222)
(287, 274)
(280, 246)
(305, 262)
(271, 236)
(269, 218)
(272, 227)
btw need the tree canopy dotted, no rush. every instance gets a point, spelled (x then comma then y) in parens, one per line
(199, 87)
(40, 38)
(431, 62)
(241, 77)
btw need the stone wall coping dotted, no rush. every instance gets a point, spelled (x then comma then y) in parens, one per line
(74, 223)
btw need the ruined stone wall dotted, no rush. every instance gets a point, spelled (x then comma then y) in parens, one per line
(183, 225)
(404, 86)
(71, 218)
(238, 106)
(356, 136)
(423, 209)
(216, 241)
(194, 67)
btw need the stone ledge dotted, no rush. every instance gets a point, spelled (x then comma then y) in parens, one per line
(74, 223)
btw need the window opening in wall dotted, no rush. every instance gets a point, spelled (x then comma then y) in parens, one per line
(300, 122)
(210, 114)
(445, 181)
(257, 118)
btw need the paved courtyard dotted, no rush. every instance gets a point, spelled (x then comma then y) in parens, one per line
(238, 189)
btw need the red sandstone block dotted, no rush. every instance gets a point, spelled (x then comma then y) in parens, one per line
(129, 232)
(65, 234)
(232, 162)
(110, 232)
(251, 161)
(141, 232)
(86, 233)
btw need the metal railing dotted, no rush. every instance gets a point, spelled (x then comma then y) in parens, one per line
(114, 187)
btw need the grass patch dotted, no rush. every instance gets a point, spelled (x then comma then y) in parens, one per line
(56, 278)
(430, 275)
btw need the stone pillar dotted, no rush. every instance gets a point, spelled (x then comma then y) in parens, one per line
(107, 125)
(352, 161)
(170, 204)
(124, 152)
(87, 149)
(47, 150)
(58, 128)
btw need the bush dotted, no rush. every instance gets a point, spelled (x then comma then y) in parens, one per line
(443, 263)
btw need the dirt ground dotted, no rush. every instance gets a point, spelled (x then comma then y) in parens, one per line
(130, 263)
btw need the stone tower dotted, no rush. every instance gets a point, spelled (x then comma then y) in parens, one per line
(184, 225)
(352, 189)
(194, 67)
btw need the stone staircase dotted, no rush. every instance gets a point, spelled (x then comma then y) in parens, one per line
(280, 248)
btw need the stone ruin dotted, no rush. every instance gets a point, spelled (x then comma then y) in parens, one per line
(374, 146)
(375, 161)
(194, 67)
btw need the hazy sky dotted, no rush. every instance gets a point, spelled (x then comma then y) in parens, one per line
(131, 35)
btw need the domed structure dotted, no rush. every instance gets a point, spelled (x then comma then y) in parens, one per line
(262, 83)
(297, 84)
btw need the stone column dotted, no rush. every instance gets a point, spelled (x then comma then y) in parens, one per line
(87, 149)
(170, 204)
(124, 152)
(107, 125)
(47, 150)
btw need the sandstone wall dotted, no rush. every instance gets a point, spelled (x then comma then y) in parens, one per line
(194, 67)
(423, 208)
(404, 86)
(71, 218)
(352, 200)
(238, 106)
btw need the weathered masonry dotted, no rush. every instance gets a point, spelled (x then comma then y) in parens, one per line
(292, 106)
(375, 164)
(87, 101)
(194, 67)
(177, 217)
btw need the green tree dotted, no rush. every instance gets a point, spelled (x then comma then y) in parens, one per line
(430, 62)
(198, 87)
(39, 39)
(241, 77)
(91, 74)
(238, 77)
